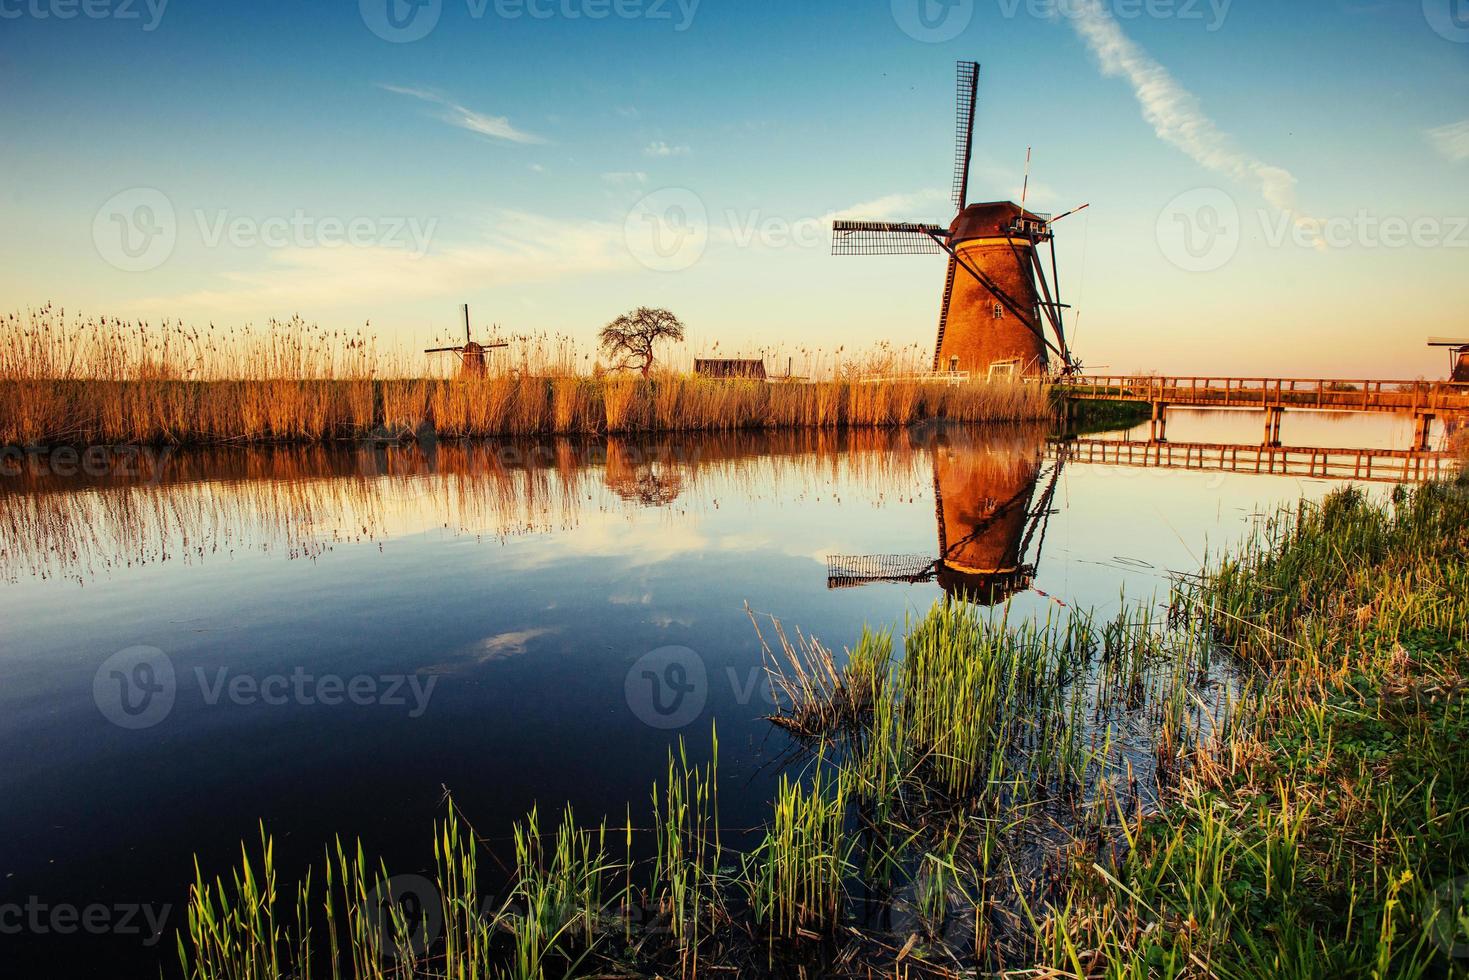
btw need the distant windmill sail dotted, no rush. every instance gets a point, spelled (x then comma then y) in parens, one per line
(997, 301)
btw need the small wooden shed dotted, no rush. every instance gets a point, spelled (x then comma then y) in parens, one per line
(749, 369)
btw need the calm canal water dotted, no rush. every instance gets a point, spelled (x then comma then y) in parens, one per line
(328, 640)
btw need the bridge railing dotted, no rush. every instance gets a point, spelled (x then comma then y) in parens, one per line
(1417, 396)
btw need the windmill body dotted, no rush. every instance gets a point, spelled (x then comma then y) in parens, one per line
(997, 303)
(992, 325)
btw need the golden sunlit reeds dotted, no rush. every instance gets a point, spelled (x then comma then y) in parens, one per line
(73, 380)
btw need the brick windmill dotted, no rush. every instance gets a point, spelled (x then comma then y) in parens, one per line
(472, 356)
(997, 302)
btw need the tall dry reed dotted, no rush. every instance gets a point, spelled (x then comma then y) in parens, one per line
(68, 379)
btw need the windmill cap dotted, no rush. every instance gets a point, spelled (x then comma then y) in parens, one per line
(991, 219)
(1448, 341)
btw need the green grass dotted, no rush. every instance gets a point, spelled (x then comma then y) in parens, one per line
(1326, 838)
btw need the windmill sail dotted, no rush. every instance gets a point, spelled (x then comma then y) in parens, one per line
(968, 91)
(885, 238)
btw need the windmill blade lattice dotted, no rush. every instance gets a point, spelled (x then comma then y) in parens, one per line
(885, 238)
(967, 93)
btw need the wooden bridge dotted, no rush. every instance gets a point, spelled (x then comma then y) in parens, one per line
(1424, 400)
(1365, 465)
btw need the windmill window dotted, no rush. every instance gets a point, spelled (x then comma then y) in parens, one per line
(953, 365)
(999, 312)
(1004, 369)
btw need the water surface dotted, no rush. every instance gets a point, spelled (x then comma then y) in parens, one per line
(495, 606)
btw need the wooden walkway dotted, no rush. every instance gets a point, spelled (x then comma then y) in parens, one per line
(1400, 397)
(1365, 465)
(1425, 401)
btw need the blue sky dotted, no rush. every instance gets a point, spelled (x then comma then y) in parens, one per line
(1249, 167)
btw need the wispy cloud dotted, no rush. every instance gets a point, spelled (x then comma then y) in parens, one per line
(515, 247)
(1452, 141)
(495, 127)
(911, 206)
(1174, 112)
(620, 177)
(658, 148)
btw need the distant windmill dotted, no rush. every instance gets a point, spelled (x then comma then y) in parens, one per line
(471, 355)
(990, 321)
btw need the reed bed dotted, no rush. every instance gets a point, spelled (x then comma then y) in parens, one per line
(80, 381)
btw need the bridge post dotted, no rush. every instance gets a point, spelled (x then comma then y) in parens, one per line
(1273, 416)
(1158, 430)
(1422, 431)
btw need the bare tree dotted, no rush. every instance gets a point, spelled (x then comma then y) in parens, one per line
(630, 338)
